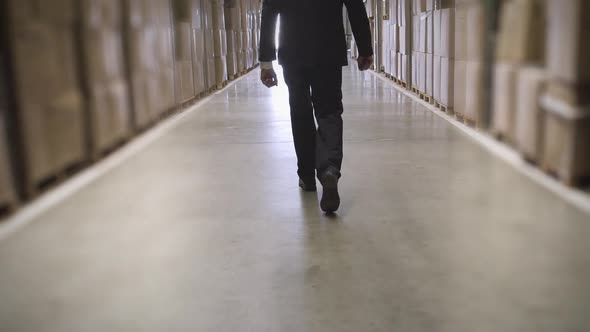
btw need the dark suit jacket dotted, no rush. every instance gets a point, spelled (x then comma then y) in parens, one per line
(312, 31)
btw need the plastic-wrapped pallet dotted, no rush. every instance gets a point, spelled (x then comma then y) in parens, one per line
(48, 96)
(504, 100)
(140, 59)
(7, 192)
(529, 116)
(198, 42)
(105, 74)
(520, 42)
(183, 54)
(245, 33)
(219, 41)
(470, 39)
(164, 56)
(567, 102)
(233, 26)
(444, 53)
(211, 79)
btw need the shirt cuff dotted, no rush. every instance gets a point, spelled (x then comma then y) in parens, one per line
(266, 65)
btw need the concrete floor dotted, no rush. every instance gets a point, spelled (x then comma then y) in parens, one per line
(206, 230)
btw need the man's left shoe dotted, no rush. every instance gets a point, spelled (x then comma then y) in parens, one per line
(330, 198)
(308, 185)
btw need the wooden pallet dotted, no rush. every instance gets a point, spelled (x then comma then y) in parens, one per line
(36, 189)
(448, 110)
(7, 209)
(221, 85)
(470, 122)
(500, 136)
(569, 180)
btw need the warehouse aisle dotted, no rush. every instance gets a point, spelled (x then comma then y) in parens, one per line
(206, 230)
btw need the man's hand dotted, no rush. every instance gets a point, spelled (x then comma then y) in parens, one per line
(365, 62)
(269, 78)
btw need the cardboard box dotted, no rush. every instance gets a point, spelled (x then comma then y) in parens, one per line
(183, 41)
(143, 113)
(7, 193)
(405, 67)
(568, 49)
(521, 37)
(447, 73)
(110, 116)
(48, 97)
(460, 87)
(419, 6)
(476, 36)
(460, 34)
(436, 78)
(529, 115)
(199, 61)
(565, 144)
(447, 33)
(394, 38)
(430, 33)
(414, 70)
(221, 69)
(393, 9)
(504, 106)
(422, 72)
(404, 40)
(429, 74)
(429, 5)
(400, 67)
(570, 93)
(437, 32)
(416, 34)
(423, 42)
(185, 88)
(405, 12)
(394, 64)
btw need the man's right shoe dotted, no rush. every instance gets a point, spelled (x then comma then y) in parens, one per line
(330, 198)
(308, 185)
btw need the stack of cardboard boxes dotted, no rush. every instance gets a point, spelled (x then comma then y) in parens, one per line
(164, 56)
(198, 43)
(444, 54)
(233, 27)
(105, 80)
(240, 42)
(423, 37)
(256, 30)
(250, 46)
(470, 43)
(139, 55)
(183, 53)
(7, 192)
(219, 41)
(390, 38)
(210, 73)
(566, 103)
(403, 41)
(519, 75)
(47, 88)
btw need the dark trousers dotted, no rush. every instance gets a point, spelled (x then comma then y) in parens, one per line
(319, 89)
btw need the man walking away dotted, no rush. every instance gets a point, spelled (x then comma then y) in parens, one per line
(312, 51)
